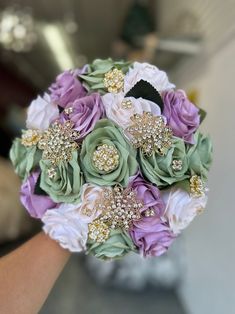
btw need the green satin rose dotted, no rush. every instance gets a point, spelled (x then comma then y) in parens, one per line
(160, 169)
(105, 132)
(118, 244)
(93, 79)
(200, 155)
(23, 158)
(66, 185)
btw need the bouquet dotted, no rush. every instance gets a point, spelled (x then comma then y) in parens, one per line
(112, 160)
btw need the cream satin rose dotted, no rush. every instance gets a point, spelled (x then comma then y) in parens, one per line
(90, 194)
(68, 223)
(181, 208)
(65, 225)
(41, 112)
(120, 109)
(149, 73)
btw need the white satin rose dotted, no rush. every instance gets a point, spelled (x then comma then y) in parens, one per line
(181, 208)
(120, 109)
(68, 223)
(66, 226)
(41, 112)
(147, 72)
(89, 197)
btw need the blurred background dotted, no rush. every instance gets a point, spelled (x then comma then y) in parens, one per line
(194, 41)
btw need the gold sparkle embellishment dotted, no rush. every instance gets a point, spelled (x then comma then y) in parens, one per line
(197, 188)
(68, 110)
(149, 212)
(114, 81)
(119, 207)
(150, 133)
(126, 104)
(177, 164)
(106, 158)
(98, 231)
(58, 143)
(30, 137)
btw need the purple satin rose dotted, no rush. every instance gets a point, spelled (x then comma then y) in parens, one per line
(151, 236)
(86, 111)
(67, 88)
(36, 205)
(148, 193)
(182, 116)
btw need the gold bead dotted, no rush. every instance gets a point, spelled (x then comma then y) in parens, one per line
(114, 80)
(106, 158)
(197, 188)
(30, 137)
(98, 231)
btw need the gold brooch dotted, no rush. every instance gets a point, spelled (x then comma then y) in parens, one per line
(114, 81)
(197, 188)
(58, 143)
(150, 133)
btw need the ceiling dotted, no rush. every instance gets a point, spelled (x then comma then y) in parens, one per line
(100, 23)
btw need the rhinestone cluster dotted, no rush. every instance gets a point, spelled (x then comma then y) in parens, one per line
(114, 81)
(30, 137)
(197, 188)
(58, 143)
(149, 212)
(68, 110)
(120, 207)
(126, 104)
(150, 133)
(98, 231)
(177, 164)
(106, 158)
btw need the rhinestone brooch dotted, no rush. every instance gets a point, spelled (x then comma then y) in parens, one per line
(105, 158)
(58, 143)
(114, 81)
(120, 208)
(177, 164)
(30, 137)
(150, 133)
(197, 188)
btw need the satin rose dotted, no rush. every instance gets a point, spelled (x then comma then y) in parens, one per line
(67, 88)
(89, 196)
(66, 185)
(151, 236)
(181, 208)
(148, 194)
(66, 226)
(85, 112)
(106, 133)
(182, 115)
(41, 112)
(147, 72)
(24, 159)
(35, 204)
(117, 245)
(120, 109)
(160, 169)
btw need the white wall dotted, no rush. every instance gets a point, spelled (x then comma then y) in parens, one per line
(210, 240)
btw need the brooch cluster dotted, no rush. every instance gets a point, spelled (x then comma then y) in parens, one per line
(114, 81)
(58, 142)
(119, 208)
(30, 137)
(106, 158)
(150, 133)
(197, 188)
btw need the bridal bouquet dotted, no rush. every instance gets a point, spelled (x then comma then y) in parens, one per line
(112, 160)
